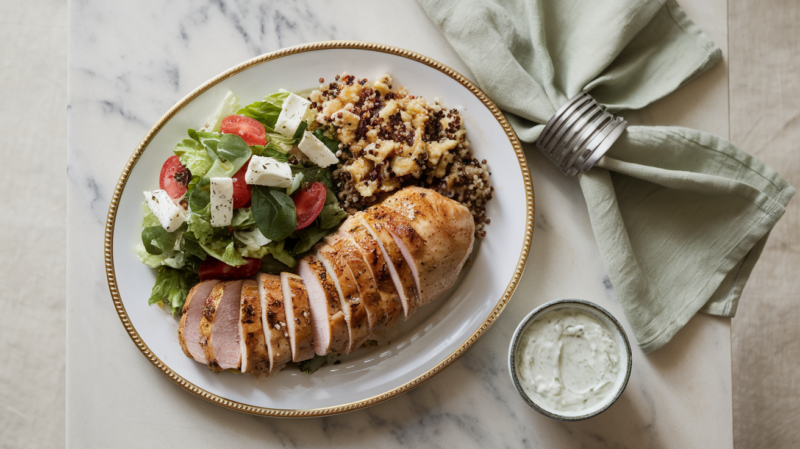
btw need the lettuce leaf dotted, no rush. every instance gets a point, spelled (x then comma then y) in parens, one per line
(229, 104)
(242, 218)
(224, 251)
(193, 155)
(200, 229)
(171, 288)
(253, 240)
(231, 154)
(148, 219)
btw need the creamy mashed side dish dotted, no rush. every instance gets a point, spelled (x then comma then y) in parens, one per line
(390, 139)
(568, 361)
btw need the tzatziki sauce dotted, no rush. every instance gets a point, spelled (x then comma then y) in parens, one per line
(568, 361)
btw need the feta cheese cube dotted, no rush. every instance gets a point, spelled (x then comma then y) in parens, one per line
(267, 171)
(316, 150)
(292, 112)
(169, 214)
(221, 201)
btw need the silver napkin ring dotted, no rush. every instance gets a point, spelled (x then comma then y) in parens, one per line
(579, 134)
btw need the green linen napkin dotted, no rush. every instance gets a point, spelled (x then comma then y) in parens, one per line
(680, 216)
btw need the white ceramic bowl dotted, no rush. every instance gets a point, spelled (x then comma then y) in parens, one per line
(626, 360)
(409, 355)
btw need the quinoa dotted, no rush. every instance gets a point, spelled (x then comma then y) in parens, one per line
(391, 139)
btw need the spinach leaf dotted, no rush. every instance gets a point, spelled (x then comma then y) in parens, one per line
(332, 144)
(308, 237)
(266, 111)
(331, 215)
(270, 264)
(311, 366)
(314, 174)
(190, 246)
(156, 240)
(200, 198)
(232, 153)
(300, 130)
(274, 212)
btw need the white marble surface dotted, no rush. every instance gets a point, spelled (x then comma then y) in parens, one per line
(130, 61)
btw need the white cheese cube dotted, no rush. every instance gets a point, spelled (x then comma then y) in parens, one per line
(316, 150)
(267, 171)
(292, 112)
(169, 214)
(221, 201)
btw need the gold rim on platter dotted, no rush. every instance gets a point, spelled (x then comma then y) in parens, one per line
(326, 411)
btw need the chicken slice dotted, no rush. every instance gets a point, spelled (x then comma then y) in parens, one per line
(355, 314)
(189, 328)
(447, 232)
(327, 317)
(273, 322)
(219, 328)
(374, 303)
(252, 344)
(298, 317)
(398, 267)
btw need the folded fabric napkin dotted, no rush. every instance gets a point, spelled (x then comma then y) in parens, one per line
(680, 216)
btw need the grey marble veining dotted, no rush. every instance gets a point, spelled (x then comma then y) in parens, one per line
(129, 62)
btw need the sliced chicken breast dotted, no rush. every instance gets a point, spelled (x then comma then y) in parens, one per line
(378, 270)
(447, 232)
(189, 328)
(374, 304)
(398, 267)
(252, 344)
(219, 328)
(273, 322)
(298, 317)
(327, 317)
(355, 314)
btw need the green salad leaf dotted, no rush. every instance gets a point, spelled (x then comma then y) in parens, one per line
(224, 251)
(308, 237)
(148, 219)
(274, 212)
(330, 216)
(190, 246)
(314, 174)
(297, 181)
(270, 151)
(243, 218)
(171, 288)
(280, 143)
(199, 229)
(332, 144)
(311, 366)
(193, 155)
(301, 128)
(231, 154)
(200, 198)
(156, 240)
(266, 111)
(229, 104)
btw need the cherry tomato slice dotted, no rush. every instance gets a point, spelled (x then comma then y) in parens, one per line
(174, 177)
(241, 191)
(251, 130)
(212, 268)
(308, 203)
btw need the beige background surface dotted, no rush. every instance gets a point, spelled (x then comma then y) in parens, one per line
(765, 112)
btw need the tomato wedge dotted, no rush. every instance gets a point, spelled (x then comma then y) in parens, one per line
(174, 177)
(251, 130)
(308, 203)
(212, 268)
(241, 191)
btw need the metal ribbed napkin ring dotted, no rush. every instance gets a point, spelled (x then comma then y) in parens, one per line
(579, 134)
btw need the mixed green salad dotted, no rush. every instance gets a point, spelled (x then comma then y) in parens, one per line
(244, 193)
